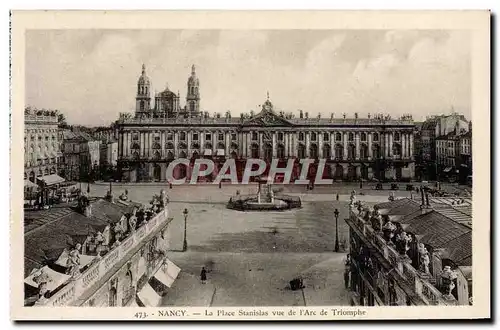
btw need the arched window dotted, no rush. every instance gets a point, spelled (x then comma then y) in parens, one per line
(326, 151)
(339, 152)
(313, 151)
(255, 150)
(302, 151)
(281, 151)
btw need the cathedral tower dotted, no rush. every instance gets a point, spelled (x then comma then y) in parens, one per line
(193, 93)
(143, 98)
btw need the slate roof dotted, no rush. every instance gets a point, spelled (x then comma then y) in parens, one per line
(49, 232)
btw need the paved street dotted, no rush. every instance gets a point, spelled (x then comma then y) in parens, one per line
(252, 256)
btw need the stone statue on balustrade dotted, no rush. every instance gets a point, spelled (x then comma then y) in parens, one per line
(73, 263)
(163, 198)
(403, 242)
(448, 277)
(389, 229)
(425, 259)
(132, 221)
(118, 230)
(377, 220)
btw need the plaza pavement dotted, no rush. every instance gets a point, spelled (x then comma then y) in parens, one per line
(253, 255)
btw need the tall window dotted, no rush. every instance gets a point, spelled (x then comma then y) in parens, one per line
(338, 137)
(363, 137)
(313, 138)
(326, 137)
(255, 137)
(183, 136)
(208, 137)
(192, 106)
(142, 105)
(375, 136)
(351, 137)
(233, 136)
(280, 136)
(221, 136)
(195, 136)
(396, 136)
(301, 137)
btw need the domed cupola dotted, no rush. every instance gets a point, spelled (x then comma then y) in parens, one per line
(143, 79)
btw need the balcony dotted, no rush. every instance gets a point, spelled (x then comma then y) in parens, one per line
(69, 295)
(423, 288)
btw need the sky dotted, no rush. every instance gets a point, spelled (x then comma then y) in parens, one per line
(91, 75)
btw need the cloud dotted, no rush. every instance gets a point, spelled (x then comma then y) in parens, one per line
(92, 75)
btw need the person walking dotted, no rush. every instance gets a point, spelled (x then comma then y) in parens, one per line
(203, 275)
(337, 196)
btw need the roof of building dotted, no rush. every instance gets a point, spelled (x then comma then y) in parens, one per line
(49, 232)
(77, 135)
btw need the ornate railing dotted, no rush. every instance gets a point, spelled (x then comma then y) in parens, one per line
(75, 288)
(423, 288)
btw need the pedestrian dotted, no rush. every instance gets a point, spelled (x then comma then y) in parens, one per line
(220, 185)
(337, 196)
(203, 275)
(347, 271)
(360, 184)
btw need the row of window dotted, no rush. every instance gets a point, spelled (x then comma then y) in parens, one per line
(281, 136)
(280, 151)
(40, 138)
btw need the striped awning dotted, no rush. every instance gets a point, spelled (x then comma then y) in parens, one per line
(168, 273)
(148, 296)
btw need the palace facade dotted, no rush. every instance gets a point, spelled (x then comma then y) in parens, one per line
(355, 148)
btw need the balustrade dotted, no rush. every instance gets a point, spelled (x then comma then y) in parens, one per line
(76, 287)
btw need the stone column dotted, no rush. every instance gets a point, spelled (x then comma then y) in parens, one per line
(356, 138)
(320, 144)
(202, 143)
(162, 143)
(391, 141)
(386, 145)
(275, 151)
(176, 141)
(228, 143)
(370, 140)
(163, 171)
(189, 139)
(308, 142)
(411, 145)
(344, 135)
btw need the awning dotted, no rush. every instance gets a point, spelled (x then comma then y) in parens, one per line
(220, 152)
(84, 259)
(208, 152)
(45, 274)
(167, 273)
(148, 296)
(29, 184)
(51, 179)
(447, 169)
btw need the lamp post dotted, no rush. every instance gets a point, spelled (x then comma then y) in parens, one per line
(185, 245)
(336, 213)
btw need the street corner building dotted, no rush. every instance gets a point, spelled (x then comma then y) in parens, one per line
(98, 252)
(376, 147)
(411, 252)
